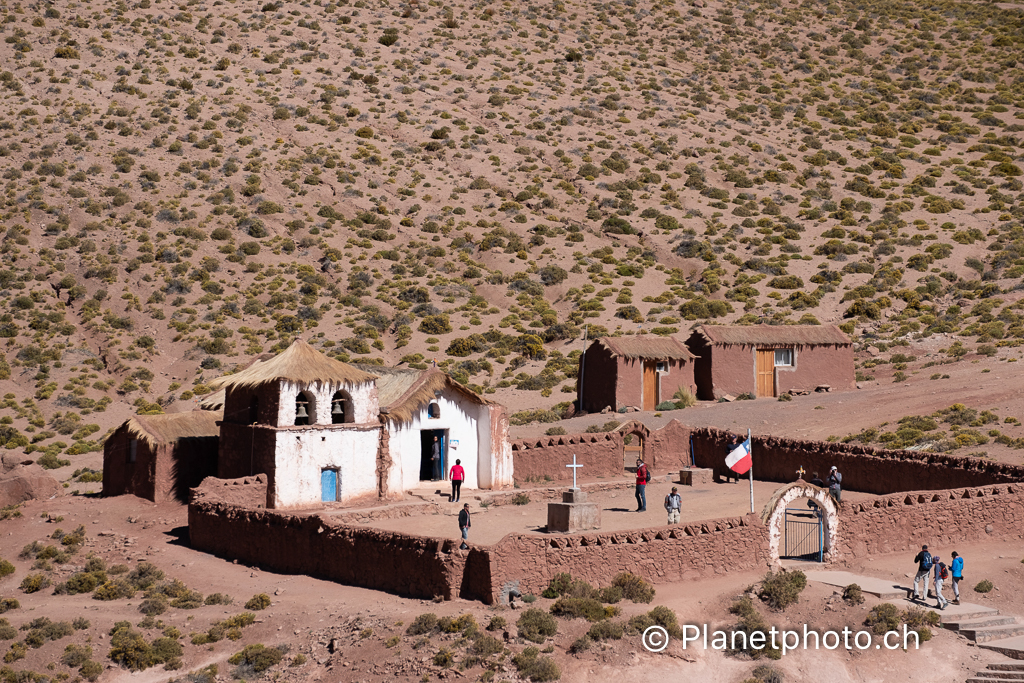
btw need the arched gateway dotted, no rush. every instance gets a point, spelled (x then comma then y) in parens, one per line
(774, 514)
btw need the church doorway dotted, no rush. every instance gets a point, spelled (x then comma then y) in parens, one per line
(426, 451)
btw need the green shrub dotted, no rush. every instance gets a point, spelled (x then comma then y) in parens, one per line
(581, 644)
(84, 582)
(256, 658)
(444, 658)
(75, 655)
(634, 588)
(535, 625)
(34, 583)
(586, 608)
(883, 618)
(91, 670)
(7, 604)
(496, 624)
(611, 594)
(129, 649)
(6, 568)
(424, 623)
(485, 645)
(535, 667)
(218, 599)
(853, 595)
(766, 673)
(666, 405)
(114, 590)
(144, 576)
(984, 586)
(521, 499)
(154, 605)
(781, 589)
(17, 651)
(606, 630)
(7, 632)
(751, 622)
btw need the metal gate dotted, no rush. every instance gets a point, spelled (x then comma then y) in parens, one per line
(804, 534)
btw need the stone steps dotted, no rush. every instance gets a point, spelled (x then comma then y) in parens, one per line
(1011, 647)
(999, 673)
(988, 634)
(961, 624)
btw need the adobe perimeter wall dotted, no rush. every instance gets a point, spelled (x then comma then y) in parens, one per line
(904, 522)
(659, 554)
(871, 470)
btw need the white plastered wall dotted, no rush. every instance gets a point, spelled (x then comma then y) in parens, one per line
(462, 420)
(301, 454)
(364, 401)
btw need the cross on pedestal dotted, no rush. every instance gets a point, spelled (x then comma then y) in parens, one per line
(574, 467)
(800, 472)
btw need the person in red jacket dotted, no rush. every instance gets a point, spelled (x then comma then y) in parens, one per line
(457, 475)
(641, 485)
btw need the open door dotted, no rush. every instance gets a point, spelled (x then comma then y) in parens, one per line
(765, 372)
(426, 451)
(650, 385)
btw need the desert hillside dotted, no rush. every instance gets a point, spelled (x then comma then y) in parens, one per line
(189, 184)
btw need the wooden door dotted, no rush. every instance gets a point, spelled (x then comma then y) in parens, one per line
(765, 372)
(632, 451)
(650, 388)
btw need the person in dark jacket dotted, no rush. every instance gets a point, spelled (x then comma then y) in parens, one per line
(924, 565)
(835, 484)
(464, 524)
(435, 457)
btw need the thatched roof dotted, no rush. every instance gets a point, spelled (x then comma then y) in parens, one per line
(646, 346)
(419, 393)
(774, 335)
(299, 363)
(214, 401)
(393, 383)
(162, 429)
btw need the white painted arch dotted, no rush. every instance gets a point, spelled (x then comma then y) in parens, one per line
(775, 510)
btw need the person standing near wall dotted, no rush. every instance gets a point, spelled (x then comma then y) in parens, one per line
(924, 565)
(435, 457)
(464, 524)
(940, 575)
(957, 570)
(642, 477)
(734, 441)
(456, 475)
(672, 505)
(835, 484)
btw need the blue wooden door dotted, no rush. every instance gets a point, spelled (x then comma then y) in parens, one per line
(328, 485)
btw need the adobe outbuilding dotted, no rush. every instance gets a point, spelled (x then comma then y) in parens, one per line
(639, 371)
(770, 360)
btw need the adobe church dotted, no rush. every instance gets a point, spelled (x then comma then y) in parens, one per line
(326, 431)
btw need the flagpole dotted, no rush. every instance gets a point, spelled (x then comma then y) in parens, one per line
(751, 472)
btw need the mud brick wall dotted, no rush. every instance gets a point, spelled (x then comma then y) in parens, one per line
(906, 521)
(661, 554)
(397, 563)
(547, 456)
(871, 470)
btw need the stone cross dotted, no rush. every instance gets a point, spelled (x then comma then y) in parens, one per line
(574, 467)
(800, 472)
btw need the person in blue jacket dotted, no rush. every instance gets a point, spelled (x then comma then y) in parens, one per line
(956, 569)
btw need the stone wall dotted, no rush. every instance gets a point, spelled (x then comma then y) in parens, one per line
(660, 554)
(871, 470)
(904, 522)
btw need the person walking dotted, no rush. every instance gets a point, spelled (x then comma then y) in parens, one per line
(956, 568)
(940, 575)
(435, 457)
(924, 565)
(835, 484)
(672, 504)
(464, 524)
(457, 475)
(642, 477)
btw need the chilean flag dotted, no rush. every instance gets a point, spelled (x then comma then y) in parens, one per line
(738, 459)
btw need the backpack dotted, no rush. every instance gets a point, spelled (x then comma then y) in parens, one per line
(647, 474)
(943, 574)
(926, 560)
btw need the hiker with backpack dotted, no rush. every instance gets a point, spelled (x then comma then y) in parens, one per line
(957, 570)
(643, 476)
(941, 573)
(924, 565)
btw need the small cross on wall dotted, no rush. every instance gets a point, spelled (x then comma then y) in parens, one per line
(800, 472)
(574, 467)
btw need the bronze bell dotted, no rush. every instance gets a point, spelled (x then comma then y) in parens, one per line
(337, 409)
(301, 412)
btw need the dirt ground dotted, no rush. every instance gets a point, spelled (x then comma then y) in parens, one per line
(618, 511)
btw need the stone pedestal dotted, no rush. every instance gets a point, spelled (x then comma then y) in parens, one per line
(696, 476)
(573, 513)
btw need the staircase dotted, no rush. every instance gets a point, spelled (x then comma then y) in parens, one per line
(999, 673)
(991, 631)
